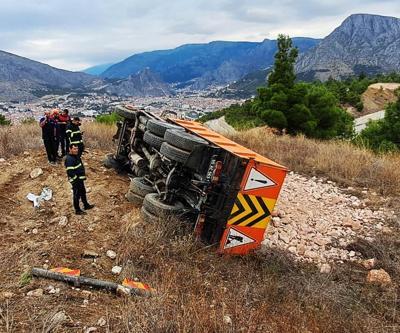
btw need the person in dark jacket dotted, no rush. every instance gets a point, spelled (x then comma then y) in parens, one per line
(76, 176)
(74, 134)
(48, 125)
(63, 121)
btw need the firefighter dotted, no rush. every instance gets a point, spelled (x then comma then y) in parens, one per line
(74, 135)
(76, 176)
(48, 125)
(63, 121)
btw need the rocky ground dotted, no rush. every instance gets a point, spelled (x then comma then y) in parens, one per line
(315, 221)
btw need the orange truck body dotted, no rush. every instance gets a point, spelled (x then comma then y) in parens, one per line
(259, 190)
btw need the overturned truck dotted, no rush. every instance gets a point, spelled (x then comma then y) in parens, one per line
(180, 168)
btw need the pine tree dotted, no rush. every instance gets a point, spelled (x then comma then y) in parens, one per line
(285, 59)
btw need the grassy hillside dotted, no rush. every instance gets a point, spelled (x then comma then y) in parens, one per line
(197, 289)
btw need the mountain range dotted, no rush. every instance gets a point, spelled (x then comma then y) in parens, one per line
(24, 79)
(199, 66)
(362, 43)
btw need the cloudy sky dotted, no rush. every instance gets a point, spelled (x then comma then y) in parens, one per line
(76, 34)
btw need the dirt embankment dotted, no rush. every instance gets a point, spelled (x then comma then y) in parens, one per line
(377, 96)
(197, 289)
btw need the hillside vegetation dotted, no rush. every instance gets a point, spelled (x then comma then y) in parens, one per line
(314, 109)
(197, 290)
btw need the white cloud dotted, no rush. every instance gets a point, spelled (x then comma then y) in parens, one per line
(76, 34)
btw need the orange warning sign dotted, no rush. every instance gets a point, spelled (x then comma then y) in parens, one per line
(66, 271)
(136, 285)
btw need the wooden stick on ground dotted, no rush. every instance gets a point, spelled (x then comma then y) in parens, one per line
(81, 280)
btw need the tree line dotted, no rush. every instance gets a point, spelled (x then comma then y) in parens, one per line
(313, 109)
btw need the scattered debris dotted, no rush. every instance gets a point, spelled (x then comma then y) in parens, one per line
(46, 194)
(101, 322)
(369, 263)
(379, 277)
(116, 270)
(74, 278)
(59, 318)
(35, 293)
(111, 254)
(36, 173)
(227, 320)
(90, 329)
(88, 254)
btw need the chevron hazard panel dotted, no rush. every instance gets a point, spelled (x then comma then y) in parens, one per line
(251, 211)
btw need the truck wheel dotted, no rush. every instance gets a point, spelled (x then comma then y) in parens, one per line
(140, 186)
(153, 140)
(147, 216)
(125, 113)
(110, 162)
(173, 153)
(134, 198)
(159, 127)
(183, 140)
(154, 205)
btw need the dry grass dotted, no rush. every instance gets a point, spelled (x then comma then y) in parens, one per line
(340, 161)
(200, 291)
(16, 139)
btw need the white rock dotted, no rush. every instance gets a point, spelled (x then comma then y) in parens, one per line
(35, 293)
(227, 320)
(35, 231)
(369, 263)
(90, 329)
(116, 270)
(325, 268)
(2, 160)
(58, 318)
(63, 221)
(101, 322)
(36, 173)
(111, 254)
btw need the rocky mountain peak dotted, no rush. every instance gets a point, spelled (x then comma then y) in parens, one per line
(362, 43)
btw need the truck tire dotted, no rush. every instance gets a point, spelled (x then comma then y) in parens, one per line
(134, 198)
(125, 113)
(184, 140)
(155, 206)
(140, 186)
(110, 162)
(159, 127)
(147, 216)
(173, 153)
(153, 140)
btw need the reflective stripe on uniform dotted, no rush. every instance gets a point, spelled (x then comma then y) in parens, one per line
(73, 133)
(73, 178)
(75, 142)
(82, 177)
(74, 167)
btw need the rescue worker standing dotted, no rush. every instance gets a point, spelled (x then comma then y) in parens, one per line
(76, 176)
(74, 135)
(63, 121)
(48, 125)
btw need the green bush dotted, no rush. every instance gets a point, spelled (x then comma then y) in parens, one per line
(108, 118)
(4, 121)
